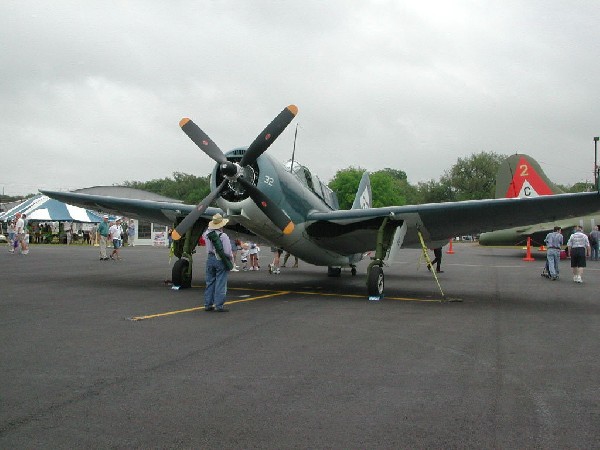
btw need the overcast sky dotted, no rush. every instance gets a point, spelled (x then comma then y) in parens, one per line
(92, 91)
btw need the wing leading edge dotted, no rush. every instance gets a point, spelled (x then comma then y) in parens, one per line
(163, 213)
(355, 231)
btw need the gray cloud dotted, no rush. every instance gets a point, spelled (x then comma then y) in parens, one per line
(92, 92)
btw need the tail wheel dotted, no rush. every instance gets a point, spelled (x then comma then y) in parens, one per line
(375, 281)
(180, 274)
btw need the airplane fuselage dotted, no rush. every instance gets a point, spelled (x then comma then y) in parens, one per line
(519, 235)
(292, 192)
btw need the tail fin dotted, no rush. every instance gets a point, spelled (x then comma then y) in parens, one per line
(364, 198)
(521, 176)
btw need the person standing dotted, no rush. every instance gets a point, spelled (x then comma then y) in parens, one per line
(437, 252)
(218, 249)
(131, 233)
(579, 248)
(287, 256)
(25, 245)
(274, 266)
(103, 230)
(115, 235)
(254, 256)
(20, 233)
(595, 243)
(234, 250)
(11, 236)
(68, 229)
(554, 241)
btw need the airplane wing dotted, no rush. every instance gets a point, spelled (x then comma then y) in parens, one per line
(355, 231)
(152, 211)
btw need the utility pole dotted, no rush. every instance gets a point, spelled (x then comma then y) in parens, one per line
(596, 162)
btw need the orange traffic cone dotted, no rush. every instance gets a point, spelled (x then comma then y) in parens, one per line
(528, 257)
(450, 251)
(542, 248)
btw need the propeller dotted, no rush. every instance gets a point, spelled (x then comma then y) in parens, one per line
(268, 135)
(235, 172)
(194, 215)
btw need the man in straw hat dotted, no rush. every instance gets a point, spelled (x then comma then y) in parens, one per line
(216, 265)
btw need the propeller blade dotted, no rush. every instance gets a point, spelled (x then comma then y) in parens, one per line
(271, 210)
(194, 215)
(202, 140)
(268, 135)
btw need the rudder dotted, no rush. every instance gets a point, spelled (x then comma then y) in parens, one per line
(520, 176)
(364, 197)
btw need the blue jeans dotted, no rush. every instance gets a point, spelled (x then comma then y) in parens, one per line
(216, 282)
(595, 251)
(553, 256)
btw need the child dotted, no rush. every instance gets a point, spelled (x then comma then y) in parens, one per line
(253, 251)
(244, 255)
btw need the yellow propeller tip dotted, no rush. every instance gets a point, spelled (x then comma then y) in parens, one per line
(293, 109)
(183, 121)
(175, 235)
(288, 228)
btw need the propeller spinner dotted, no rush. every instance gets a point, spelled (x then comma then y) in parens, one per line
(233, 171)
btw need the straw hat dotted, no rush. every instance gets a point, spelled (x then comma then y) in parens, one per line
(217, 222)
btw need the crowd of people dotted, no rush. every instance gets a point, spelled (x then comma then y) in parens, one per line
(579, 247)
(21, 232)
(245, 256)
(225, 254)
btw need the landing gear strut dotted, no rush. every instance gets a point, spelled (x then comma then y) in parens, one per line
(375, 278)
(181, 273)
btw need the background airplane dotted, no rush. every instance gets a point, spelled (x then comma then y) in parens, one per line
(520, 176)
(289, 207)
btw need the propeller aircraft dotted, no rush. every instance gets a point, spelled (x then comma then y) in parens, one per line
(520, 176)
(289, 207)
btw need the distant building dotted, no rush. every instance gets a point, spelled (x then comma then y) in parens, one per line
(147, 233)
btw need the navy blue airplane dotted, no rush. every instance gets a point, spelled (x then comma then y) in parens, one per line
(289, 207)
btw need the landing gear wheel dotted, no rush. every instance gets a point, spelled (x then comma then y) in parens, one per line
(353, 271)
(179, 274)
(375, 282)
(334, 272)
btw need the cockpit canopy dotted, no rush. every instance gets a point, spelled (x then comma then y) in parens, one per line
(313, 183)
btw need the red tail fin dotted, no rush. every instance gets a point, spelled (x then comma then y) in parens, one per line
(521, 176)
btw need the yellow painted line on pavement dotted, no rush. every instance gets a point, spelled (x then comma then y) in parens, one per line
(251, 299)
(170, 313)
(277, 294)
(197, 308)
(327, 294)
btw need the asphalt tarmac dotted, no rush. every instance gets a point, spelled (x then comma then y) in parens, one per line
(99, 354)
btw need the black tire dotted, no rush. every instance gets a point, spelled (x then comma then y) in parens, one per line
(179, 274)
(375, 282)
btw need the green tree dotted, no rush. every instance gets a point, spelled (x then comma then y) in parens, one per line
(474, 177)
(581, 186)
(188, 188)
(388, 186)
(345, 184)
(433, 191)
